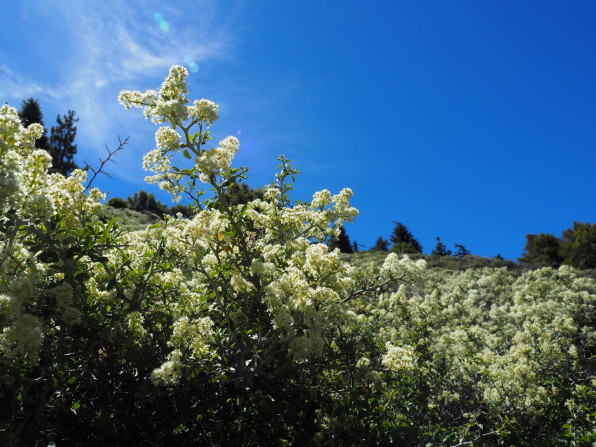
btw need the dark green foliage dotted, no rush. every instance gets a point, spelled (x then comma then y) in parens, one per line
(30, 113)
(342, 242)
(355, 246)
(470, 262)
(461, 251)
(542, 249)
(143, 202)
(62, 147)
(403, 240)
(241, 193)
(381, 245)
(147, 203)
(117, 202)
(441, 249)
(578, 246)
(185, 210)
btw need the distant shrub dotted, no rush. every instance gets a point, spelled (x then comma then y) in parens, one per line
(117, 202)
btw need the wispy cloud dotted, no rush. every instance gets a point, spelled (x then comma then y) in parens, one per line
(118, 45)
(13, 85)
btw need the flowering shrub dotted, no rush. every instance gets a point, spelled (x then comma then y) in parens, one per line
(240, 326)
(511, 353)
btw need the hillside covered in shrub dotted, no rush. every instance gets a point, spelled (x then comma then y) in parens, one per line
(238, 324)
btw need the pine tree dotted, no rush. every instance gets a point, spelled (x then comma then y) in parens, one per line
(146, 203)
(30, 113)
(342, 242)
(461, 251)
(381, 245)
(578, 246)
(403, 240)
(62, 147)
(542, 249)
(117, 202)
(441, 249)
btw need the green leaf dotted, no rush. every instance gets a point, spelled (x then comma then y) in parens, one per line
(74, 407)
(111, 223)
(186, 154)
(69, 240)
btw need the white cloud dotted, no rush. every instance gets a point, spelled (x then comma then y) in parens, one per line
(111, 47)
(15, 86)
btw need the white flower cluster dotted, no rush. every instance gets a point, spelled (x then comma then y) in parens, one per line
(204, 110)
(320, 220)
(305, 296)
(195, 335)
(135, 322)
(217, 161)
(63, 294)
(22, 339)
(25, 185)
(513, 340)
(169, 372)
(169, 105)
(402, 267)
(27, 190)
(221, 263)
(399, 359)
(166, 105)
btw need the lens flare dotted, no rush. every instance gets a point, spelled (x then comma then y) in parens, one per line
(165, 26)
(192, 65)
(222, 108)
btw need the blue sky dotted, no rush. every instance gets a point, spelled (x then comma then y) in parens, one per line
(471, 121)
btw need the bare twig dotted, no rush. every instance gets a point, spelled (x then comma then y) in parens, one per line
(104, 162)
